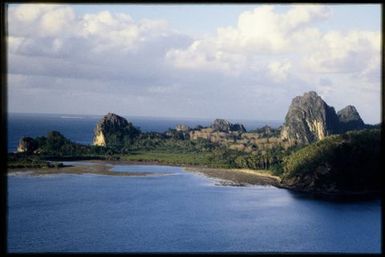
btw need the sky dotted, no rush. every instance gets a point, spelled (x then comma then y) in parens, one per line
(204, 61)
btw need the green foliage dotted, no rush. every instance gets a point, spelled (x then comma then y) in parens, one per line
(55, 145)
(158, 147)
(169, 158)
(22, 160)
(350, 160)
(310, 157)
(117, 138)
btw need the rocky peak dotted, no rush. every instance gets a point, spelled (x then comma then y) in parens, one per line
(111, 120)
(221, 125)
(309, 119)
(226, 126)
(113, 129)
(267, 131)
(350, 119)
(238, 127)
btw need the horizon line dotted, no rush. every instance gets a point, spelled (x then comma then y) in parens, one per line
(146, 116)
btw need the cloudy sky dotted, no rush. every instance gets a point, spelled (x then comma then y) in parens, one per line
(192, 61)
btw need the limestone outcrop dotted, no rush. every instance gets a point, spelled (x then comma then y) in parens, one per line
(226, 126)
(309, 119)
(350, 119)
(113, 129)
(182, 128)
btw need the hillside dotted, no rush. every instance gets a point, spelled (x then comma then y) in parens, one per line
(337, 164)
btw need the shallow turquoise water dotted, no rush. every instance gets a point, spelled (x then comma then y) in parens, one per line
(182, 212)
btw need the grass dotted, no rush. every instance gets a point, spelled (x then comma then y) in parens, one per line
(201, 159)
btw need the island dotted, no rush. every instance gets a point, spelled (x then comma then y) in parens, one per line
(316, 151)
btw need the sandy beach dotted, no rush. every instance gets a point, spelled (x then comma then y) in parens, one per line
(237, 177)
(233, 177)
(98, 168)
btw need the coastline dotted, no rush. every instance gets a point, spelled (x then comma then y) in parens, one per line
(241, 176)
(232, 177)
(224, 177)
(237, 177)
(95, 168)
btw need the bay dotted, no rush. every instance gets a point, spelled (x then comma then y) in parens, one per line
(182, 212)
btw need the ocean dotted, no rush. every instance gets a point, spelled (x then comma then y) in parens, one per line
(80, 128)
(179, 212)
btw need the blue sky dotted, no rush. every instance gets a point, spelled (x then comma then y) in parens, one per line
(231, 61)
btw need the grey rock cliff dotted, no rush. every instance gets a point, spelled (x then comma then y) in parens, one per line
(113, 129)
(226, 126)
(309, 119)
(350, 119)
(182, 128)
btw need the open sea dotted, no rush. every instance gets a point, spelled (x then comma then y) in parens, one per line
(177, 212)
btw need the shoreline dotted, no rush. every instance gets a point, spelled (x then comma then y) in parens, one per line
(224, 176)
(237, 177)
(232, 177)
(96, 169)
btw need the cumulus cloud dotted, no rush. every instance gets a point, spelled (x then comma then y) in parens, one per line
(355, 51)
(258, 64)
(279, 70)
(258, 32)
(114, 41)
(292, 34)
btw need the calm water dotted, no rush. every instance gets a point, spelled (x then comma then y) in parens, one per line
(79, 128)
(181, 212)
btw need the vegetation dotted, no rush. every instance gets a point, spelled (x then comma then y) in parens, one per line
(171, 147)
(118, 138)
(350, 161)
(30, 161)
(347, 162)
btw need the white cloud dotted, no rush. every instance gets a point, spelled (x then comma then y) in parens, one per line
(279, 70)
(302, 14)
(57, 20)
(100, 32)
(352, 52)
(41, 20)
(292, 35)
(258, 32)
(30, 13)
(250, 69)
(52, 40)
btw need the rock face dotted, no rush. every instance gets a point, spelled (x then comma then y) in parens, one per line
(26, 145)
(267, 131)
(226, 126)
(350, 119)
(238, 127)
(113, 129)
(182, 128)
(309, 119)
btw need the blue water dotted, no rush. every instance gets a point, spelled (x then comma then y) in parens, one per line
(181, 212)
(79, 128)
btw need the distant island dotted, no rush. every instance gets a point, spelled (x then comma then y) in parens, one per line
(317, 150)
